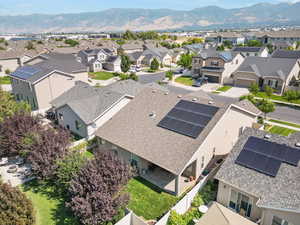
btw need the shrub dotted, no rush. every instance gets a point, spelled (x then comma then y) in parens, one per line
(292, 95)
(175, 218)
(133, 76)
(7, 71)
(29, 46)
(154, 64)
(71, 42)
(15, 208)
(269, 91)
(169, 74)
(254, 88)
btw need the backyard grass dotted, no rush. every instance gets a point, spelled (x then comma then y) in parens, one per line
(148, 201)
(224, 88)
(49, 207)
(101, 75)
(188, 81)
(286, 123)
(281, 131)
(262, 94)
(5, 80)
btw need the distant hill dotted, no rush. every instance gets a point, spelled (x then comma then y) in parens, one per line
(155, 19)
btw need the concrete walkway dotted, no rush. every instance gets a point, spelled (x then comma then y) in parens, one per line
(282, 125)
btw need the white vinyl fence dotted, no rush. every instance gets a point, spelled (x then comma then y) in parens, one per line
(131, 219)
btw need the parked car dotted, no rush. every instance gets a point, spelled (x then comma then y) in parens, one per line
(200, 81)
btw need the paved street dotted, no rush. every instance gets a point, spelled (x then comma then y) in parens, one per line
(150, 78)
(286, 113)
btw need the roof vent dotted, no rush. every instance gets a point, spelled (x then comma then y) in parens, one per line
(153, 91)
(297, 144)
(152, 115)
(210, 102)
(194, 99)
(179, 96)
(268, 136)
(166, 93)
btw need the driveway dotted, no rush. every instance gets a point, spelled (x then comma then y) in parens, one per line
(235, 92)
(209, 87)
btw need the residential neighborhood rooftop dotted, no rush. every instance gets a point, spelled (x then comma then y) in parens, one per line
(279, 192)
(286, 54)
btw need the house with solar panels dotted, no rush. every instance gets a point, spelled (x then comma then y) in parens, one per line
(260, 179)
(46, 77)
(216, 66)
(171, 139)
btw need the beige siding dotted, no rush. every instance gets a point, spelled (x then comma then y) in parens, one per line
(208, 62)
(223, 197)
(230, 68)
(51, 87)
(223, 136)
(291, 217)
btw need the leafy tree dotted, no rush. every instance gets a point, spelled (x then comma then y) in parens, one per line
(254, 88)
(7, 71)
(227, 44)
(169, 75)
(129, 35)
(125, 63)
(266, 106)
(96, 191)
(270, 48)
(71, 42)
(15, 208)
(269, 91)
(221, 48)
(185, 61)
(133, 76)
(154, 64)
(50, 146)
(148, 35)
(17, 134)
(67, 169)
(254, 43)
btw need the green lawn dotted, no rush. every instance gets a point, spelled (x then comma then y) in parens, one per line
(224, 88)
(286, 123)
(101, 75)
(281, 131)
(5, 80)
(148, 201)
(50, 208)
(188, 81)
(262, 94)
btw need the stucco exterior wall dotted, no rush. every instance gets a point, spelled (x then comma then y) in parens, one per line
(223, 197)
(230, 68)
(268, 214)
(51, 87)
(245, 76)
(222, 138)
(82, 76)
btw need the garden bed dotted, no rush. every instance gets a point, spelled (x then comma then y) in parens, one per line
(224, 88)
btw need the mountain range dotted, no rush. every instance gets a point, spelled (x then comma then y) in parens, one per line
(210, 17)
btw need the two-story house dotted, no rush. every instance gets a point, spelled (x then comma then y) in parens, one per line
(252, 51)
(260, 178)
(216, 66)
(278, 73)
(45, 77)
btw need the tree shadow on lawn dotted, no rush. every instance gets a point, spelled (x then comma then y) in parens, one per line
(61, 215)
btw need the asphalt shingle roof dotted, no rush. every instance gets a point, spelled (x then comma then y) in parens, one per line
(286, 54)
(281, 192)
(267, 66)
(248, 49)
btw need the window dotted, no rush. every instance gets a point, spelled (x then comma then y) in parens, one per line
(68, 127)
(61, 116)
(214, 63)
(33, 103)
(273, 83)
(77, 125)
(202, 162)
(279, 221)
(240, 203)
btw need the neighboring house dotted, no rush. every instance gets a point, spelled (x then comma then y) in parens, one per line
(275, 36)
(84, 108)
(286, 54)
(284, 45)
(278, 73)
(252, 51)
(216, 66)
(171, 138)
(113, 63)
(46, 77)
(135, 58)
(163, 55)
(233, 37)
(132, 47)
(260, 178)
(94, 58)
(194, 48)
(220, 215)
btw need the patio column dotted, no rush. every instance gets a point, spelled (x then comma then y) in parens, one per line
(177, 185)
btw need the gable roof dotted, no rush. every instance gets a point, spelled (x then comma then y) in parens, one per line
(220, 215)
(279, 192)
(267, 66)
(135, 131)
(227, 56)
(286, 54)
(51, 62)
(248, 49)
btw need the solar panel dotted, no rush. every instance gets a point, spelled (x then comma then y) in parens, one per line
(277, 151)
(25, 72)
(258, 162)
(188, 118)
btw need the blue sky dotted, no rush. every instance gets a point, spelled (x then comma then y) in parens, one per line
(15, 7)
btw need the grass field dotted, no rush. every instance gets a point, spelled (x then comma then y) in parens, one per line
(101, 75)
(276, 98)
(188, 81)
(50, 208)
(148, 201)
(5, 80)
(224, 88)
(286, 123)
(281, 131)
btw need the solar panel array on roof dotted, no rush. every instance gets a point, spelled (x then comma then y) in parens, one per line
(266, 156)
(25, 72)
(188, 118)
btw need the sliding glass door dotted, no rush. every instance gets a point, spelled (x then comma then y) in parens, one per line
(240, 203)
